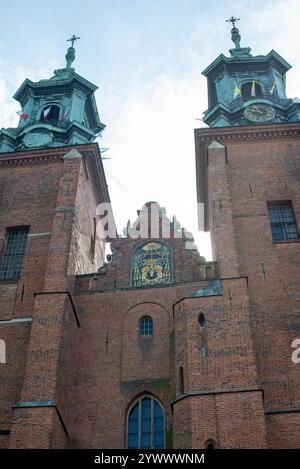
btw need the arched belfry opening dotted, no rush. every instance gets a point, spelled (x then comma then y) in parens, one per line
(50, 114)
(251, 90)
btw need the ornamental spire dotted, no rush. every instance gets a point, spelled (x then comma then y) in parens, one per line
(233, 20)
(70, 55)
(238, 53)
(235, 34)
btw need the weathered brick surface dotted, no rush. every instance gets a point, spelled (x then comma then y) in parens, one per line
(228, 420)
(283, 430)
(259, 164)
(222, 350)
(46, 191)
(115, 364)
(220, 378)
(70, 386)
(16, 338)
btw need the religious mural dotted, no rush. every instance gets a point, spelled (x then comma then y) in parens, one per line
(151, 265)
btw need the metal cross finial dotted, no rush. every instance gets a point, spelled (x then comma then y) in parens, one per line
(233, 20)
(73, 39)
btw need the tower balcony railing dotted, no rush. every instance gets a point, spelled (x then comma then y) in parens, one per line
(238, 102)
(54, 122)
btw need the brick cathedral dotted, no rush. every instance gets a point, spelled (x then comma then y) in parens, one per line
(152, 346)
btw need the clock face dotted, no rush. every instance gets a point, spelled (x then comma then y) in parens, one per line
(38, 138)
(259, 112)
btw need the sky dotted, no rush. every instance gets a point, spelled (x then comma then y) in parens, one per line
(146, 57)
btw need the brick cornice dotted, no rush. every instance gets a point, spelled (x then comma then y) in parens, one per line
(29, 160)
(249, 133)
(40, 156)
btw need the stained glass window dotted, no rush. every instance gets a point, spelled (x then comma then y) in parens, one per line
(151, 265)
(12, 260)
(146, 425)
(282, 221)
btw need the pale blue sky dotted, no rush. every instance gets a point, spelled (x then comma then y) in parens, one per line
(146, 56)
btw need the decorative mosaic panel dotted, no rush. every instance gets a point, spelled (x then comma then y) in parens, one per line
(151, 265)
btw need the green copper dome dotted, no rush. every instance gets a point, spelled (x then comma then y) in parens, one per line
(58, 111)
(245, 89)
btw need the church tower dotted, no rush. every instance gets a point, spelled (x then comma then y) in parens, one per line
(244, 90)
(55, 112)
(247, 169)
(51, 183)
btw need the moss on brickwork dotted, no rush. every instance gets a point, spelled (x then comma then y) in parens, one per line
(169, 438)
(294, 327)
(159, 384)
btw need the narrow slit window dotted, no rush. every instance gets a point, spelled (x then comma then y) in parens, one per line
(93, 239)
(201, 319)
(181, 380)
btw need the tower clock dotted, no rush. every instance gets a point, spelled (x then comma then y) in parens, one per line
(245, 89)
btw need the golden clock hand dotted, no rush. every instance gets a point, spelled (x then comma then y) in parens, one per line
(255, 109)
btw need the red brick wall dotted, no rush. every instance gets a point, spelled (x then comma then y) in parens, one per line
(44, 190)
(27, 198)
(16, 337)
(85, 206)
(259, 164)
(115, 365)
(222, 350)
(218, 362)
(228, 420)
(283, 430)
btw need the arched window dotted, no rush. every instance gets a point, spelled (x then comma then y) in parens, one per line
(146, 424)
(181, 380)
(151, 265)
(50, 114)
(250, 90)
(146, 326)
(210, 444)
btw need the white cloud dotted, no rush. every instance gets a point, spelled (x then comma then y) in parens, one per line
(152, 149)
(276, 26)
(3, 91)
(8, 117)
(9, 82)
(151, 139)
